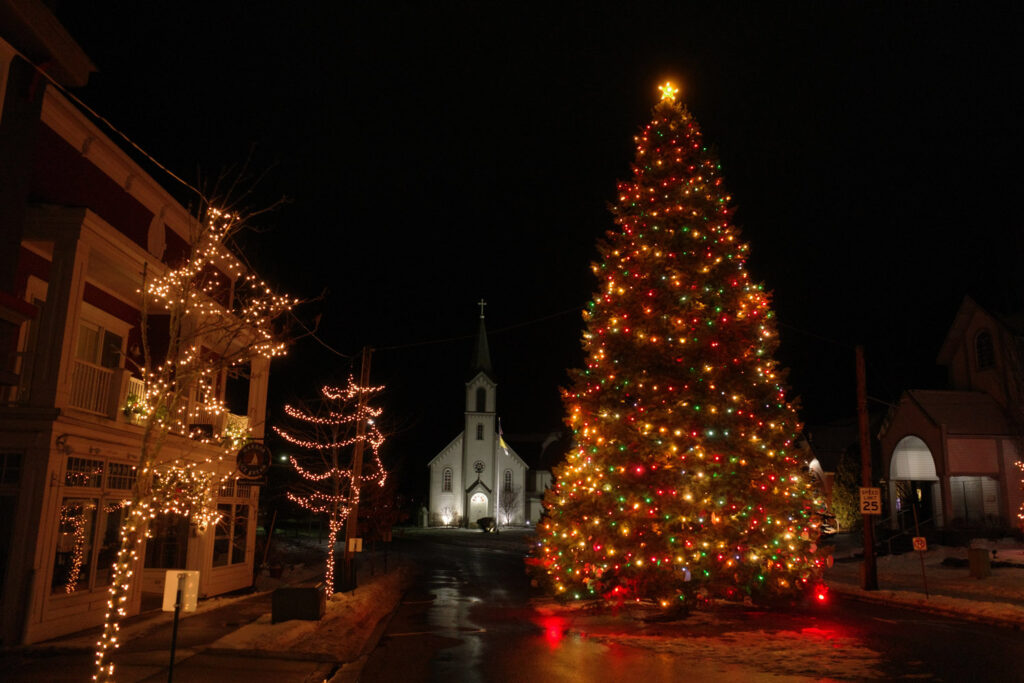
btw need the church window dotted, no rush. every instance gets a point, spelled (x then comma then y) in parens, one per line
(481, 400)
(984, 352)
(446, 479)
(508, 480)
(479, 432)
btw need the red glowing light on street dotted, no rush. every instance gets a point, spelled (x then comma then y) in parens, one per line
(554, 630)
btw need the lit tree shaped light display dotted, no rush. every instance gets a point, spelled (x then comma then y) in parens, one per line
(330, 434)
(219, 316)
(683, 484)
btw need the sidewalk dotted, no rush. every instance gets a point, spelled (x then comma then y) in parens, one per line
(229, 639)
(946, 586)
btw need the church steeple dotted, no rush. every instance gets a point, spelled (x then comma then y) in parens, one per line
(482, 357)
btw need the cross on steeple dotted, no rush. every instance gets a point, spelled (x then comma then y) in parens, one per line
(481, 304)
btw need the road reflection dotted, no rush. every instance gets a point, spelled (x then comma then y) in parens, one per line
(473, 617)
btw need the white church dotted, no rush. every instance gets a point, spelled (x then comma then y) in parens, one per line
(477, 474)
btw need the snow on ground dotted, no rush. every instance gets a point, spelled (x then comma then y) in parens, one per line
(727, 643)
(135, 627)
(349, 618)
(813, 654)
(342, 634)
(745, 649)
(950, 587)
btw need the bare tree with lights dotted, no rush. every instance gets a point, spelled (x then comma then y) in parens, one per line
(219, 316)
(684, 483)
(328, 434)
(509, 502)
(380, 508)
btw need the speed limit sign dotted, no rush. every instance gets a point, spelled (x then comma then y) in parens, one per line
(920, 543)
(870, 500)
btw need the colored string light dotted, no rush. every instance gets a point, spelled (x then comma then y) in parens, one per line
(684, 483)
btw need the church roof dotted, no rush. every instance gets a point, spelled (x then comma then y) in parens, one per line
(962, 412)
(1014, 324)
(457, 441)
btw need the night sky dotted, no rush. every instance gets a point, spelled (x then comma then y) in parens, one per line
(434, 153)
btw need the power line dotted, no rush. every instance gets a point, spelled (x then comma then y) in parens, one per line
(97, 116)
(499, 330)
(815, 335)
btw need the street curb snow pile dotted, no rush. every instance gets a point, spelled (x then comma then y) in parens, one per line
(973, 609)
(349, 621)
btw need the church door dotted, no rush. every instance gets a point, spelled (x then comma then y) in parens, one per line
(477, 508)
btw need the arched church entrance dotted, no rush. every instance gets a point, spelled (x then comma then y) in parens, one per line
(477, 507)
(915, 493)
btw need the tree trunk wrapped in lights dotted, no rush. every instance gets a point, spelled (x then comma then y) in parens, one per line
(218, 316)
(327, 433)
(1020, 511)
(684, 483)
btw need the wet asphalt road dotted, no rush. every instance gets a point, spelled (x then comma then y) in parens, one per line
(469, 618)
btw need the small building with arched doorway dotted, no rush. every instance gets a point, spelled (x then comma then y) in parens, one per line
(948, 459)
(949, 456)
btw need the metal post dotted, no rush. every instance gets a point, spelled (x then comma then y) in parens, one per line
(920, 553)
(174, 629)
(870, 567)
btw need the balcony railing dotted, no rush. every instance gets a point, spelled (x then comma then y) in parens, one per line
(236, 424)
(227, 425)
(133, 397)
(93, 387)
(90, 387)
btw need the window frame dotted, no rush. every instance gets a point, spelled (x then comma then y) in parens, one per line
(101, 543)
(104, 483)
(104, 323)
(984, 358)
(234, 548)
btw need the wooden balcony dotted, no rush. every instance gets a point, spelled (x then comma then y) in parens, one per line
(92, 388)
(113, 391)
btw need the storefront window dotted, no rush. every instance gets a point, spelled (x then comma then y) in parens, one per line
(168, 545)
(71, 564)
(231, 534)
(222, 536)
(239, 534)
(106, 554)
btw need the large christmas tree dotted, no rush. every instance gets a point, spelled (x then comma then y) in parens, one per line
(683, 484)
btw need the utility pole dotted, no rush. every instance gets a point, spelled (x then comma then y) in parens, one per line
(870, 573)
(352, 526)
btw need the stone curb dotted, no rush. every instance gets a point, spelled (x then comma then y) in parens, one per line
(886, 598)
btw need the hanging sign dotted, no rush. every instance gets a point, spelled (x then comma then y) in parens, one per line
(253, 460)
